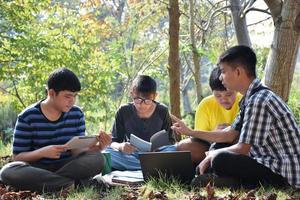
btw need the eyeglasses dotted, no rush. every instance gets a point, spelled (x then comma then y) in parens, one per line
(139, 100)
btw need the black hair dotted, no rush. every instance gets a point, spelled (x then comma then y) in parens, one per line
(144, 84)
(63, 79)
(240, 55)
(214, 80)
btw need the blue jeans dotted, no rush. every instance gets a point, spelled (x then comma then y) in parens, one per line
(122, 161)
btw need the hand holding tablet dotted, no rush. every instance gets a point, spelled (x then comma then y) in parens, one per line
(79, 142)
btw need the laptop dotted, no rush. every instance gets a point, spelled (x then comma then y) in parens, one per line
(168, 164)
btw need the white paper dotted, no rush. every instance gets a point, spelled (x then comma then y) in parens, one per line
(140, 144)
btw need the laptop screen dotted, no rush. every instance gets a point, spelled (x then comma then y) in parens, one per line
(168, 164)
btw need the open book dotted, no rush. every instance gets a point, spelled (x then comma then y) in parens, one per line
(157, 140)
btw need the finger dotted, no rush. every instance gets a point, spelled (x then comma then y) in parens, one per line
(61, 148)
(203, 166)
(174, 118)
(101, 132)
(56, 155)
(106, 141)
(177, 124)
(176, 129)
(178, 132)
(133, 148)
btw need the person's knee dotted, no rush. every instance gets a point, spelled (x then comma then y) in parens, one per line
(99, 160)
(96, 162)
(5, 175)
(9, 173)
(183, 145)
(197, 149)
(219, 161)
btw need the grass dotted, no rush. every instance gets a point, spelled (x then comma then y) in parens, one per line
(171, 188)
(175, 191)
(5, 149)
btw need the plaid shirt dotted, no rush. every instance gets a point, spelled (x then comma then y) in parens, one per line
(270, 128)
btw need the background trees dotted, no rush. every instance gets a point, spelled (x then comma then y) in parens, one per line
(107, 43)
(281, 61)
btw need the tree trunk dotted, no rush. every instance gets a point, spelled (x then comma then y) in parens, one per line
(281, 60)
(239, 23)
(186, 101)
(174, 65)
(195, 54)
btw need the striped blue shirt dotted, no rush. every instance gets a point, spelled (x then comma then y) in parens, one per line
(34, 131)
(270, 128)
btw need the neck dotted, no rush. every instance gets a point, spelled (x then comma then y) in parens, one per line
(245, 85)
(49, 110)
(147, 114)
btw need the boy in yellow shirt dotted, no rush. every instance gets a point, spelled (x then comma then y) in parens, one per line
(216, 111)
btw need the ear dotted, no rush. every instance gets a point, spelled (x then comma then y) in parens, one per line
(238, 71)
(131, 94)
(156, 95)
(51, 93)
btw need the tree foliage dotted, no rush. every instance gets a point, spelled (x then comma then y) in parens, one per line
(107, 43)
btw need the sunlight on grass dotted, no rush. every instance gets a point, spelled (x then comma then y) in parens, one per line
(172, 188)
(115, 193)
(86, 193)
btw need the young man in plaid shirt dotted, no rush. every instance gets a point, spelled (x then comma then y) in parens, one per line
(268, 147)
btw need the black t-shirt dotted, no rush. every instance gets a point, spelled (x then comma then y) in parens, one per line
(128, 122)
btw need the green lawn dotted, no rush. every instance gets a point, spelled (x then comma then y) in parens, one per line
(169, 189)
(160, 190)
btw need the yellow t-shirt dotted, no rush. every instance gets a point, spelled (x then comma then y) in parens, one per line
(210, 113)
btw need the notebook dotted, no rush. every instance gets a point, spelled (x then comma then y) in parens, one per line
(159, 139)
(168, 164)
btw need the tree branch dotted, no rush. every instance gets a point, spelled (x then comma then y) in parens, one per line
(254, 9)
(247, 4)
(5, 91)
(259, 21)
(17, 92)
(188, 64)
(213, 15)
(275, 8)
(154, 59)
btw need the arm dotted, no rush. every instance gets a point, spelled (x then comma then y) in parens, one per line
(51, 151)
(167, 123)
(226, 136)
(119, 138)
(219, 136)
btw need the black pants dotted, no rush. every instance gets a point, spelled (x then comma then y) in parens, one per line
(245, 169)
(48, 178)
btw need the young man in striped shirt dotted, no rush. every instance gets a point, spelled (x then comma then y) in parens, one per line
(42, 161)
(268, 149)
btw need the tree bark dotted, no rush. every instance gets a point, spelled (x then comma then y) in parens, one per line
(195, 54)
(281, 60)
(186, 101)
(239, 23)
(174, 64)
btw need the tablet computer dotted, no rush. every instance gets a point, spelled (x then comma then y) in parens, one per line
(79, 142)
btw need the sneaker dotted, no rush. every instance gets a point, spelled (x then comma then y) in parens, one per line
(214, 180)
